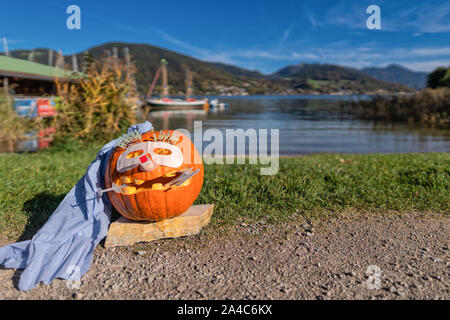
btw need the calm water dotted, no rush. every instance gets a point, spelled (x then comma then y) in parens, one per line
(308, 124)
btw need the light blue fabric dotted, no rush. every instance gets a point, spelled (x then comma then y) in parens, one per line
(63, 247)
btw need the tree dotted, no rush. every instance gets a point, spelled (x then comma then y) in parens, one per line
(445, 81)
(439, 78)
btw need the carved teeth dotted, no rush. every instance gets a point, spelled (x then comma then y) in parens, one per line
(134, 188)
(125, 179)
(129, 190)
(171, 174)
(157, 186)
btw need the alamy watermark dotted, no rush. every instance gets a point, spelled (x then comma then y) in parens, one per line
(374, 280)
(374, 20)
(73, 21)
(236, 146)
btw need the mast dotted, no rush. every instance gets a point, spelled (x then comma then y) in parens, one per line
(130, 77)
(165, 92)
(126, 53)
(31, 55)
(5, 46)
(152, 86)
(5, 79)
(74, 63)
(188, 83)
(60, 60)
(50, 57)
(115, 55)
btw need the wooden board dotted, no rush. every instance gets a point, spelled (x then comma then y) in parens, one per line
(124, 232)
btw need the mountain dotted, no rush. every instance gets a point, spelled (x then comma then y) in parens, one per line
(219, 78)
(208, 78)
(328, 77)
(237, 71)
(147, 59)
(398, 74)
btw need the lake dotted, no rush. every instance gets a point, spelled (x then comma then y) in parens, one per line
(310, 124)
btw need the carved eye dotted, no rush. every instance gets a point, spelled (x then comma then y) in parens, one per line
(135, 154)
(162, 151)
(131, 157)
(165, 154)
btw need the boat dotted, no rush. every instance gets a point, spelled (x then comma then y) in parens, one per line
(166, 103)
(216, 106)
(176, 104)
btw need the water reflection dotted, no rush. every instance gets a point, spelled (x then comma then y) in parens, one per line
(310, 124)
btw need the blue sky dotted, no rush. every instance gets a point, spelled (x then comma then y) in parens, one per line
(255, 34)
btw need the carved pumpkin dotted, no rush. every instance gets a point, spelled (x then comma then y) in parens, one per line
(146, 167)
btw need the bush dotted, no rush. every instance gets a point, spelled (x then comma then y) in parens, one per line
(100, 105)
(12, 126)
(430, 106)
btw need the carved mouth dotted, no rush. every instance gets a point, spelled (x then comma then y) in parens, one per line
(135, 185)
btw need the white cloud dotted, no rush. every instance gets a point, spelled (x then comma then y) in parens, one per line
(432, 19)
(341, 53)
(312, 20)
(426, 66)
(275, 55)
(347, 15)
(184, 45)
(425, 52)
(286, 34)
(14, 41)
(423, 17)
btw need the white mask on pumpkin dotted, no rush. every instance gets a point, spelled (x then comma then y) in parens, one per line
(173, 160)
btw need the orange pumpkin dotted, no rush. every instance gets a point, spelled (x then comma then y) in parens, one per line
(146, 196)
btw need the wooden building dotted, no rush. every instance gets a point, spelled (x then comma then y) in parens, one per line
(25, 78)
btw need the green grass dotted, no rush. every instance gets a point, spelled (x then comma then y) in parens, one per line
(34, 184)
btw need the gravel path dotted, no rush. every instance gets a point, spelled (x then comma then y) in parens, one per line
(329, 260)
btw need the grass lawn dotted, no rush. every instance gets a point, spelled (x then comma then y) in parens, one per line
(34, 184)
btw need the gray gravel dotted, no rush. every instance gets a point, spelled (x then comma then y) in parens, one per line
(323, 260)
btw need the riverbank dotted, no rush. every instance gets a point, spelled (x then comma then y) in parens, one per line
(429, 106)
(310, 187)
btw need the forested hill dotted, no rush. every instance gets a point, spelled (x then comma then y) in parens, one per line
(398, 74)
(325, 77)
(219, 78)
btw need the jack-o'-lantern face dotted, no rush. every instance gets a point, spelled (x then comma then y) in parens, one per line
(147, 172)
(148, 155)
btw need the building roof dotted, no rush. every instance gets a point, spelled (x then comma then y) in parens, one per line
(12, 67)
